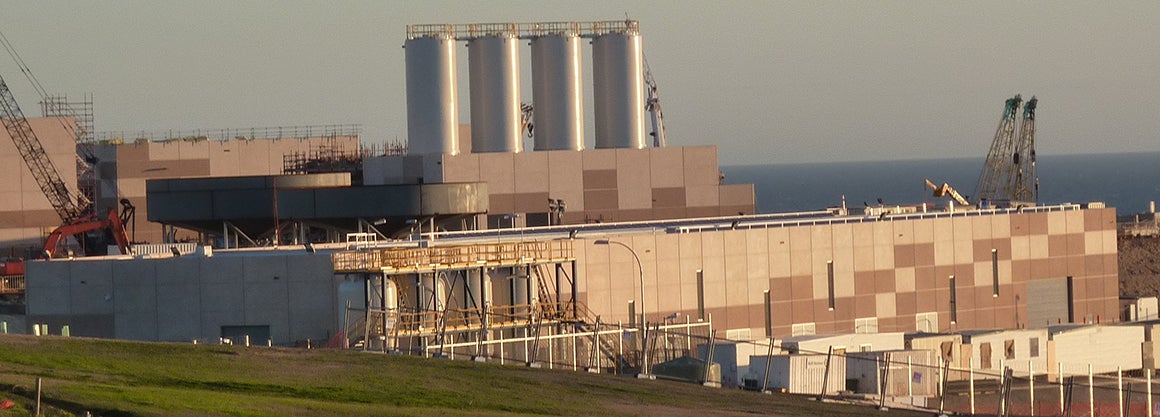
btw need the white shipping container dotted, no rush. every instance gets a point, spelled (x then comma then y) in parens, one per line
(800, 374)
(920, 378)
(1104, 347)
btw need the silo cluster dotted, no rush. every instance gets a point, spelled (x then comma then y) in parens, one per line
(494, 85)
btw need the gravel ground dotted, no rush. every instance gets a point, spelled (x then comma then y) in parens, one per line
(1140, 266)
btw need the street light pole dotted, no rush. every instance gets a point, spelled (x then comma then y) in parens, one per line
(644, 372)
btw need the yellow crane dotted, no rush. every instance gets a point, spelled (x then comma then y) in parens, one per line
(946, 190)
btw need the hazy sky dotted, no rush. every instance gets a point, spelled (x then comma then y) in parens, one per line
(778, 82)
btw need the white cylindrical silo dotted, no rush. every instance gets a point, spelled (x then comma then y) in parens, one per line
(478, 289)
(557, 93)
(618, 90)
(493, 63)
(432, 109)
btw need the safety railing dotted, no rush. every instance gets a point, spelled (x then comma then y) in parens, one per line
(522, 30)
(411, 259)
(12, 284)
(248, 133)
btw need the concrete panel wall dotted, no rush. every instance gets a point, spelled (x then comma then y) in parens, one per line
(893, 271)
(186, 298)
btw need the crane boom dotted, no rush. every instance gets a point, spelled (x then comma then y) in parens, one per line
(1026, 183)
(34, 155)
(997, 179)
(653, 105)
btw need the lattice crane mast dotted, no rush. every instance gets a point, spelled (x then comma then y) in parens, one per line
(1026, 181)
(997, 181)
(68, 206)
(653, 105)
(73, 209)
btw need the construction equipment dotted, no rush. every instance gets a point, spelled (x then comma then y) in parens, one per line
(653, 105)
(1009, 172)
(72, 208)
(112, 227)
(1026, 181)
(947, 190)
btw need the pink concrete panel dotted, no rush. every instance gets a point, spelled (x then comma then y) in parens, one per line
(924, 230)
(1037, 223)
(223, 158)
(462, 167)
(193, 149)
(943, 229)
(737, 195)
(12, 167)
(531, 172)
(1075, 221)
(254, 157)
(632, 178)
(498, 171)
(700, 163)
(595, 159)
(164, 151)
(1056, 223)
(669, 213)
(702, 212)
(563, 181)
(11, 201)
(884, 281)
(903, 232)
(944, 253)
(702, 196)
(667, 167)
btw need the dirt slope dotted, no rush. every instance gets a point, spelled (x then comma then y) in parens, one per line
(1140, 267)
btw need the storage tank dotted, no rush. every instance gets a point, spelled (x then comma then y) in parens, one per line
(493, 63)
(618, 90)
(432, 109)
(556, 92)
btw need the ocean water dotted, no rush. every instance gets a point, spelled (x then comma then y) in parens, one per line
(1124, 181)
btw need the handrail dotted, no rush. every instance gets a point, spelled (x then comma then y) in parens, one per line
(522, 30)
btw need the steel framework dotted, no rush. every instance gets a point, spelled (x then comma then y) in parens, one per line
(1009, 171)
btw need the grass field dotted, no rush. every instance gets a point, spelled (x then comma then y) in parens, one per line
(116, 378)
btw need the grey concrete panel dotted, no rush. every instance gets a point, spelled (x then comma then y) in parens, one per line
(312, 309)
(81, 325)
(309, 268)
(1046, 302)
(223, 297)
(91, 287)
(264, 270)
(178, 312)
(268, 304)
(178, 271)
(135, 325)
(133, 293)
(212, 322)
(47, 288)
(219, 270)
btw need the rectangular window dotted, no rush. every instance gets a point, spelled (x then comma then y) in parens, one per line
(926, 322)
(803, 329)
(994, 272)
(985, 356)
(830, 282)
(866, 325)
(1009, 349)
(1033, 346)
